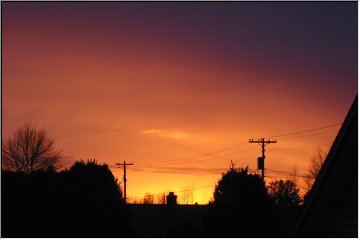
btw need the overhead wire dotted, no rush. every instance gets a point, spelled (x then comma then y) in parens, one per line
(205, 155)
(209, 155)
(287, 175)
(301, 147)
(310, 135)
(223, 151)
(304, 131)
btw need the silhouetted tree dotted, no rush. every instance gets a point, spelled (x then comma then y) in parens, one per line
(29, 149)
(284, 193)
(286, 210)
(148, 199)
(96, 195)
(239, 207)
(294, 175)
(316, 163)
(84, 201)
(161, 198)
(187, 194)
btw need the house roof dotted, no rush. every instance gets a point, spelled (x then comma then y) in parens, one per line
(332, 206)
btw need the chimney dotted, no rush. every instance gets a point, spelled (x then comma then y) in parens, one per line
(171, 199)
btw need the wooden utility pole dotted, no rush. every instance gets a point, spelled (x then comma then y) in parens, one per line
(261, 160)
(124, 165)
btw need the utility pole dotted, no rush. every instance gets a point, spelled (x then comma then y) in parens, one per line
(261, 160)
(124, 165)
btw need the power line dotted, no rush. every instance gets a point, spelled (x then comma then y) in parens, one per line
(222, 157)
(304, 131)
(209, 155)
(226, 154)
(310, 135)
(287, 173)
(203, 157)
(279, 175)
(301, 147)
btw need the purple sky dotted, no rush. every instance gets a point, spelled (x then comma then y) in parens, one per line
(154, 83)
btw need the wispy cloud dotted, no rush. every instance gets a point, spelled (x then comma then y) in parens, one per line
(167, 133)
(150, 131)
(116, 133)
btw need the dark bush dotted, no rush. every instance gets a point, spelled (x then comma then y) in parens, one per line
(85, 201)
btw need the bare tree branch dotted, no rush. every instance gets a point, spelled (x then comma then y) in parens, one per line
(29, 149)
(316, 163)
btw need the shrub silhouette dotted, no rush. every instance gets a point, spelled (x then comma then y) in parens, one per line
(284, 193)
(84, 201)
(240, 206)
(286, 210)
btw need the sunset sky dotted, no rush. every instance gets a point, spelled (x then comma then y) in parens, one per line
(179, 88)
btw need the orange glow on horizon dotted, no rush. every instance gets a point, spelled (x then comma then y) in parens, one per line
(177, 91)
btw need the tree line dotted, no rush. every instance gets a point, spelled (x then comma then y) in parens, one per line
(86, 200)
(243, 206)
(83, 201)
